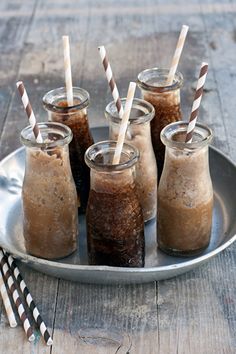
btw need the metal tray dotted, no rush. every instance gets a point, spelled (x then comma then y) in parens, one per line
(157, 264)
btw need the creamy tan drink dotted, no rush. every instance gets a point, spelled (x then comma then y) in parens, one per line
(49, 197)
(139, 134)
(76, 118)
(185, 195)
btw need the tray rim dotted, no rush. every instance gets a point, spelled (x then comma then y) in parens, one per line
(80, 267)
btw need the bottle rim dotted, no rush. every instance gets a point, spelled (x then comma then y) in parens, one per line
(181, 126)
(52, 97)
(158, 74)
(139, 104)
(64, 132)
(108, 146)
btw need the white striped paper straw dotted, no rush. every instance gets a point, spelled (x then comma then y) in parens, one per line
(67, 66)
(7, 304)
(177, 54)
(16, 298)
(124, 123)
(196, 102)
(30, 302)
(29, 111)
(111, 80)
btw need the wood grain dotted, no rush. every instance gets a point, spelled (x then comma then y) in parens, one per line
(193, 313)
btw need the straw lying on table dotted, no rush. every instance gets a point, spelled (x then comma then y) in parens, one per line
(16, 298)
(7, 304)
(196, 102)
(9, 268)
(30, 302)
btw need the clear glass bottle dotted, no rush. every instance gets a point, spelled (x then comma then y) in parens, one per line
(75, 117)
(139, 134)
(50, 214)
(185, 194)
(166, 101)
(115, 227)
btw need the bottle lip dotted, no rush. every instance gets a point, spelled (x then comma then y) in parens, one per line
(161, 74)
(138, 104)
(200, 129)
(108, 146)
(64, 132)
(52, 97)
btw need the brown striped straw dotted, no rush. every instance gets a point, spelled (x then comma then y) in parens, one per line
(196, 102)
(111, 80)
(67, 66)
(7, 304)
(124, 123)
(16, 298)
(30, 302)
(29, 112)
(177, 54)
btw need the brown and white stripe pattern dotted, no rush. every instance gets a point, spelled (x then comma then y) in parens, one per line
(67, 66)
(196, 102)
(7, 304)
(29, 111)
(30, 302)
(16, 298)
(177, 54)
(124, 123)
(111, 80)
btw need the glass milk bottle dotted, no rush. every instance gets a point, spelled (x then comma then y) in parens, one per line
(166, 101)
(50, 216)
(115, 227)
(75, 117)
(139, 134)
(185, 194)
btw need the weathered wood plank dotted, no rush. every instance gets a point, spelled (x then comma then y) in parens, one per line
(13, 32)
(44, 292)
(196, 312)
(100, 319)
(221, 36)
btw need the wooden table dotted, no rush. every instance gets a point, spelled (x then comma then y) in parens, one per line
(193, 313)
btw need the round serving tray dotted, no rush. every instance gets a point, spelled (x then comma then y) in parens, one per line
(157, 264)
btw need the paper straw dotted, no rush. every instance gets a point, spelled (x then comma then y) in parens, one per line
(196, 102)
(30, 302)
(29, 112)
(177, 54)
(67, 65)
(7, 304)
(124, 123)
(16, 298)
(111, 80)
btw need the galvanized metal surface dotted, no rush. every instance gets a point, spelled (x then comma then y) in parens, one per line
(157, 264)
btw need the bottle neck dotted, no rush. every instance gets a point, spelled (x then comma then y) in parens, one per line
(112, 182)
(192, 164)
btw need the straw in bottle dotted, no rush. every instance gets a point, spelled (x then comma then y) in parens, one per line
(16, 298)
(111, 80)
(177, 54)
(196, 102)
(30, 302)
(7, 304)
(124, 123)
(67, 66)
(29, 112)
